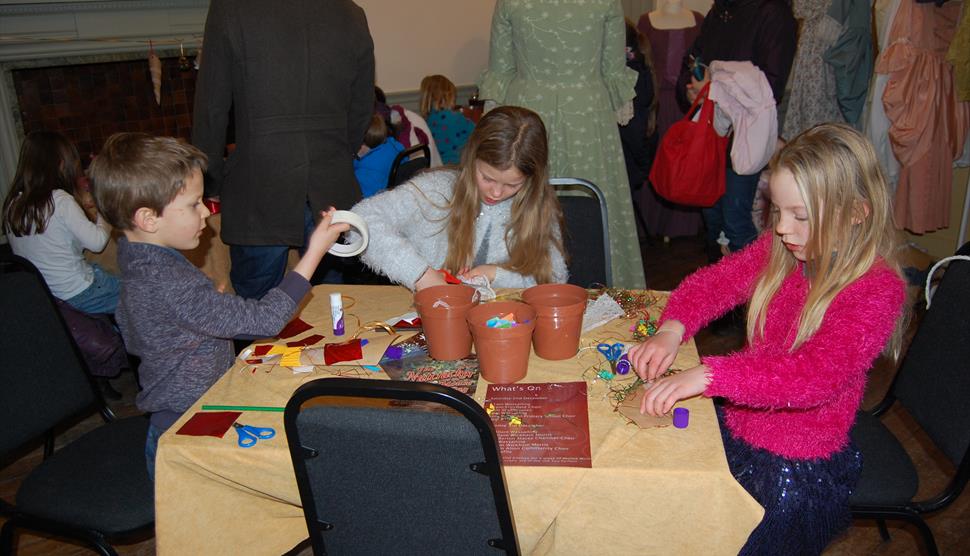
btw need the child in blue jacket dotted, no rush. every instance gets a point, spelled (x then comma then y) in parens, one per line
(373, 162)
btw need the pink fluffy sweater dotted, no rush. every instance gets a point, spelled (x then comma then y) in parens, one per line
(797, 404)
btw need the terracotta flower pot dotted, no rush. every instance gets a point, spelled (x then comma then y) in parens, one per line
(443, 310)
(503, 353)
(559, 318)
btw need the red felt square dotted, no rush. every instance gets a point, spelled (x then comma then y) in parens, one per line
(408, 324)
(262, 350)
(449, 277)
(308, 341)
(209, 423)
(347, 351)
(296, 326)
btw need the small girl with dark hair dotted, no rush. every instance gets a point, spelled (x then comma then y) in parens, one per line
(495, 215)
(45, 224)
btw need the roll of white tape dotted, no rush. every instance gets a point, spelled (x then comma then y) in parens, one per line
(356, 222)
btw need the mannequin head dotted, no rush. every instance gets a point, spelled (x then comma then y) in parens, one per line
(671, 6)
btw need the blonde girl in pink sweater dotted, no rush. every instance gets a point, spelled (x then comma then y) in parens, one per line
(825, 298)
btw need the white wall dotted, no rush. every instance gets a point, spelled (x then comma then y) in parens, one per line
(635, 8)
(414, 39)
(701, 6)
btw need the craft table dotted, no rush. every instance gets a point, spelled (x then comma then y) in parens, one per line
(649, 491)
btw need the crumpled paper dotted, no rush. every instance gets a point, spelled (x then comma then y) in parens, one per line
(601, 311)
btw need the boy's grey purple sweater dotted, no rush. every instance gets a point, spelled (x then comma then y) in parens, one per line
(174, 319)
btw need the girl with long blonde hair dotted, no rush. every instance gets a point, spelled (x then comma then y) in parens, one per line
(495, 215)
(825, 298)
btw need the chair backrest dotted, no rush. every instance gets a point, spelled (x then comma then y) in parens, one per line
(379, 476)
(933, 381)
(402, 171)
(43, 381)
(587, 235)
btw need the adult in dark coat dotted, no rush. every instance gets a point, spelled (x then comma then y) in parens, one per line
(639, 135)
(764, 33)
(299, 76)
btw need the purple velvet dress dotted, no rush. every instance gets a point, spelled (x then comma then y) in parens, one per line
(669, 46)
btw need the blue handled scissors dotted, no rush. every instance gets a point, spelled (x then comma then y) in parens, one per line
(611, 352)
(249, 435)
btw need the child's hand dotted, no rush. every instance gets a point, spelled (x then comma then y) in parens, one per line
(695, 86)
(326, 233)
(486, 270)
(659, 398)
(654, 356)
(431, 277)
(322, 239)
(86, 201)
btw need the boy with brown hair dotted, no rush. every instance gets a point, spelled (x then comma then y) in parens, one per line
(170, 314)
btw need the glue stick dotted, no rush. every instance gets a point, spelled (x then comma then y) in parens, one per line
(337, 314)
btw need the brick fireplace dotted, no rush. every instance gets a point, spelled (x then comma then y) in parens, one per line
(81, 67)
(101, 94)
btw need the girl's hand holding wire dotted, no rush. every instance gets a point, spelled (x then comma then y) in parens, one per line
(656, 354)
(431, 277)
(486, 270)
(659, 398)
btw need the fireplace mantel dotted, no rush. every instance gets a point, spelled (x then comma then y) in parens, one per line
(46, 33)
(42, 30)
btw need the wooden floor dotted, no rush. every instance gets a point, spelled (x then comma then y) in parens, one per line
(666, 264)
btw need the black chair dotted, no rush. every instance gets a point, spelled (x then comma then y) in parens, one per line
(402, 171)
(932, 384)
(390, 467)
(93, 490)
(587, 234)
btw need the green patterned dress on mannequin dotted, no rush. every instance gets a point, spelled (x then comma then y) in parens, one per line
(565, 60)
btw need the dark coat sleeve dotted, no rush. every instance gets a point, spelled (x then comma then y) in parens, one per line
(213, 94)
(362, 105)
(775, 45)
(683, 78)
(637, 145)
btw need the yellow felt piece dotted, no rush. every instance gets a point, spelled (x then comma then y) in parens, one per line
(291, 357)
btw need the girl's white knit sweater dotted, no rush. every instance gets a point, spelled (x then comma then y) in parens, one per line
(408, 232)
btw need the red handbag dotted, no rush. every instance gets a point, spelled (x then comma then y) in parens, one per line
(691, 162)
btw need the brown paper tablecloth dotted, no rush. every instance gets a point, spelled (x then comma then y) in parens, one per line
(649, 491)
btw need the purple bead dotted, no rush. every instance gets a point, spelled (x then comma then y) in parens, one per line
(623, 365)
